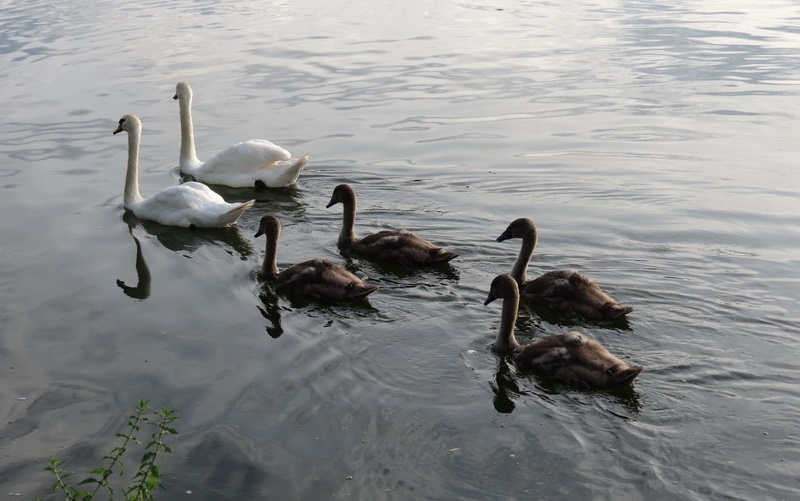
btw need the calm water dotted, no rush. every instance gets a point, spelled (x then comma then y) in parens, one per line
(654, 145)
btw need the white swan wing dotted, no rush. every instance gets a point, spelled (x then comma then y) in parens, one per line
(245, 157)
(189, 204)
(251, 163)
(200, 193)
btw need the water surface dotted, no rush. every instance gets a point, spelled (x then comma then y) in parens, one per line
(653, 145)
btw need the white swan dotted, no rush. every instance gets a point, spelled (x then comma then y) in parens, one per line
(186, 205)
(254, 163)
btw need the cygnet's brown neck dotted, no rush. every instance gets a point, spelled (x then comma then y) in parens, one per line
(347, 236)
(506, 342)
(269, 268)
(520, 269)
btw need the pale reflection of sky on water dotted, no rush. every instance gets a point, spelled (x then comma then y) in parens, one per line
(655, 146)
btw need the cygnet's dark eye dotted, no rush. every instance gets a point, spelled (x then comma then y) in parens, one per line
(611, 371)
(121, 120)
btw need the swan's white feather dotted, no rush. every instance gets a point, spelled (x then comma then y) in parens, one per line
(189, 204)
(184, 205)
(240, 165)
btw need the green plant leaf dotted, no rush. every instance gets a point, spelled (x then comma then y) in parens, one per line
(145, 480)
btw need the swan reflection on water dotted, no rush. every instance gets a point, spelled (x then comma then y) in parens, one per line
(272, 310)
(289, 199)
(144, 279)
(186, 240)
(544, 313)
(400, 275)
(510, 385)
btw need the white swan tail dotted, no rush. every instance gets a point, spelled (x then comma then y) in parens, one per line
(286, 178)
(234, 214)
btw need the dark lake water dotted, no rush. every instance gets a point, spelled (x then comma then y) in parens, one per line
(654, 144)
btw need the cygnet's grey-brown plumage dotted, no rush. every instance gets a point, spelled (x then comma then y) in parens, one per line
(396, 246)
(566, 291)
(315, 279)
(570, 357)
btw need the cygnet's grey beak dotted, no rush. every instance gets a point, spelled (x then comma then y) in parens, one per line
(505, 235)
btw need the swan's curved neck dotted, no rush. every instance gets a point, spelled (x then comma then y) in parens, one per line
(347, 236)
(520, 270)
(269, 268)
(131, 193)
(188, 156)
(506, 341)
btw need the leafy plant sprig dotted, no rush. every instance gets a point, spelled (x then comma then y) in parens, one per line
(146, 479)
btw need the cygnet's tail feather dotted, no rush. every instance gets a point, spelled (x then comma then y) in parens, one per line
(626, 377)
(616, 311)
(362, 290)
(445, 257)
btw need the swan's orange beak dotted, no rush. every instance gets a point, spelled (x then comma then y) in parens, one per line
(118, 129)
